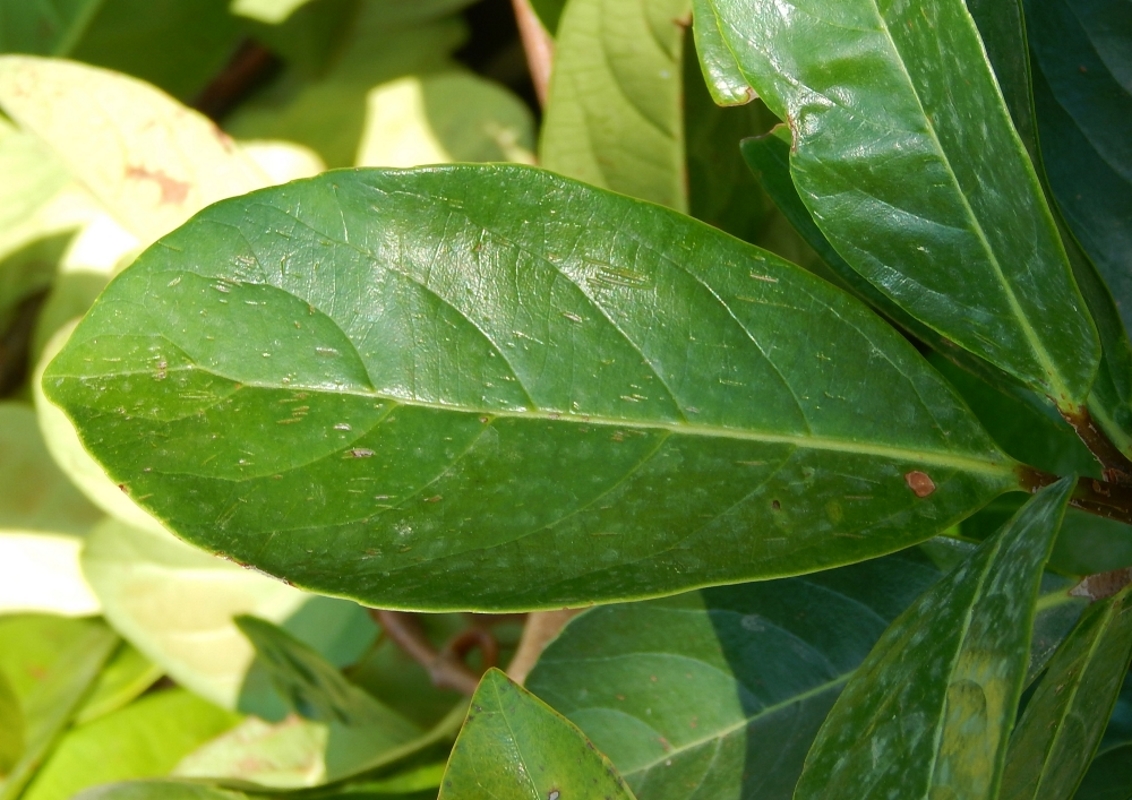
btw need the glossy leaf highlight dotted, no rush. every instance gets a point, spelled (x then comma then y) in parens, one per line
(408, 386)
(929, 712)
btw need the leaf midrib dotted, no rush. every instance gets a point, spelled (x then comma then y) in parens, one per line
(915, 455)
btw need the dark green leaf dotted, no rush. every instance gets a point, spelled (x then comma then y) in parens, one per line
(873, 95)
(1064, 720)
(719, 693)
(145, 739)
(549, 13)
(929, 711)
(495, 374)
(157, 790)
(1109, 776)
(43, 27)
(1119, 730)
(362, 731)
(614, 113)
(515, 747)
(54, 697)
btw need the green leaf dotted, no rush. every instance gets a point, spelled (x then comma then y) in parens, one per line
(613, 116)
(126, 675)
(11, 729)
(151, 161)
(54, 697)
(1109, 776)
(172, 44)
(363, 733)
(724, 78)
(42, 519)
(443, 118)
(270, 11)
(1119, 730)
(287, 755)
(327, 112)
(549, 13)
(612, 420)
(1064, 720)
(158, 790)
(175, 604)
(719, 693)
(145, 739)
(1084, 100)
(930, 710)
(43, 27)
(872, 97)
(515, 747)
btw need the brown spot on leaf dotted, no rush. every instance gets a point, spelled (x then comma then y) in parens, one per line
(173, 191)
(125, 489)
(1103, 584)
(919, 483)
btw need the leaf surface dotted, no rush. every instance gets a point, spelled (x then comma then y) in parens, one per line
(929, 712)
(1109, 776)
(515, 747)
(877, 93)
(483, 381)
(1064, 720)
(12, 731)
(144, 739)
(175, 604)
(157, 790)
(150, 160)
(614, 111)
(43, 27)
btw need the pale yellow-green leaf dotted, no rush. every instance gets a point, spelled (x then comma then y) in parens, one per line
(285, 755)
(175, 604)
(444, 118)
(283, 161)
(40, 573)
(270, 11)
(31, 177)
(150, 160)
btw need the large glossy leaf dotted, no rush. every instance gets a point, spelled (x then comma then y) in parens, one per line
(409, 387)
(719, 693)
(150, 160)
(53, 699)
(515, 747)
(145, 739)
(614, 116)
(1064, 720)
(175, 604)
(872, 97)
(929, 712)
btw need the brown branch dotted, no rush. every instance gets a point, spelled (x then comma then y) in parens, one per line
(541, 627)
(446, 668)
(538, 46)
(1117, 468)
(1110, 500)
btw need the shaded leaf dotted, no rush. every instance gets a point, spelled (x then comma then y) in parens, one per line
(929, 711)
(43, 27)
(150, 160)
(897, 104)
(609, 419)
(514, 746)
(1119, 730)
(362, 732)
(1109, 776)
(175, 604)
(1064, 720)
(443, 118)
(54, 697)
(549, 13)
(719, 693)
(613, 115)
(145, 739)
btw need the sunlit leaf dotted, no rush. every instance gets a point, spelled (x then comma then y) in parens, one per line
(150, 160)
(53, 697)
(872, 98)
(158, 790)
(929, 711)
(145, 739)
(443, 118)
(609, 418)
(287, 754)
(614, 116)
(515, 747)
(1064, 720)
(126, 675)
(12, 729)
(175, 604)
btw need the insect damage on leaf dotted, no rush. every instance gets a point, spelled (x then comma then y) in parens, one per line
(920, 483)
